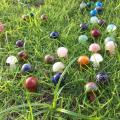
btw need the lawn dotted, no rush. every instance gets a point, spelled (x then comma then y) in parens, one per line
(49, 102)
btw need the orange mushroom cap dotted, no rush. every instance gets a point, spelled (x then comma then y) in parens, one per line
(83, 60)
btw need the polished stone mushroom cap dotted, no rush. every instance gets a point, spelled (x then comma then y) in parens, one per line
(111, 28)
(107, 39)
(58, 67)
(91, 87)
(94, 47)
(94, 20)
(96, 57)
(83, 5)
(62, 52)
(82, 39)
(11, 60)
(110, 46)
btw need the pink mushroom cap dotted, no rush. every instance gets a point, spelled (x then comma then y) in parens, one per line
(94, 47)
(62, 52)
(111, 46)
(1, 27)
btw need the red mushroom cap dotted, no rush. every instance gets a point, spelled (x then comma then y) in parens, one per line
(95, 33)
(31, 84)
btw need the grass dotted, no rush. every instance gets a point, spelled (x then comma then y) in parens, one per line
(49, 102)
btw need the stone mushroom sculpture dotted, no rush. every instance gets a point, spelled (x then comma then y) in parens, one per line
(49, 59)
(83, 26)
(83, 5)
(94, 47)
(82, 39)
(107, 39)
(83, 60)
(62, 52)
(44, 17)
(26, 68)
(54, 35)
(110, 46)
(56, 78)
(20, 43)
(95, 33)
(31, 84)
(94, 20)
(102, 78)
(101, 22)
(111, 28)
(90, 89)
(96, 58)
(11, 61)
(90, 86)
(22, 55)
(58, 67)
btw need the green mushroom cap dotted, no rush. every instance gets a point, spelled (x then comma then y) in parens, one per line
(90, 86)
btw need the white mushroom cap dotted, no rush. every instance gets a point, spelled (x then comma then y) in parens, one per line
(111, 28)
(96, 57)
(11, 60)
(94, 20)
(82, 38)
(83, 5)
(62, 52)
(58, 67)
(107, 39)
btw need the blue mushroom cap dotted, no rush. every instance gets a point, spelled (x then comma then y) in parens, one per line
(100, 4)
(102, 77)
(56, 78)
(26, 68)
(93, 12)
(54, 35)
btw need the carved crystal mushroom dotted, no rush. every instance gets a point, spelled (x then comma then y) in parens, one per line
(49, 59)
(44, 17)
(31, 84)
(107, 39)
(91, 86)
(58, 67)
(11, 61)
(54, 35)
(94, 20)
(102, 78)
(83, 60)
(94, 47)
(25, 17)
(26, 68)
(22, 55)
(95, 33)
(56, 78)
(90, 89)
(101, 22)
(111, 28)
(96, 58)
(62, 52)
(110, 46)
(82, 39)
(83, 26)
(83, 5)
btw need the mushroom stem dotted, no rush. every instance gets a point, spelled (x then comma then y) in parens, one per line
(112, 52)
(91, 96)
(96, 65)
(12, 66)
